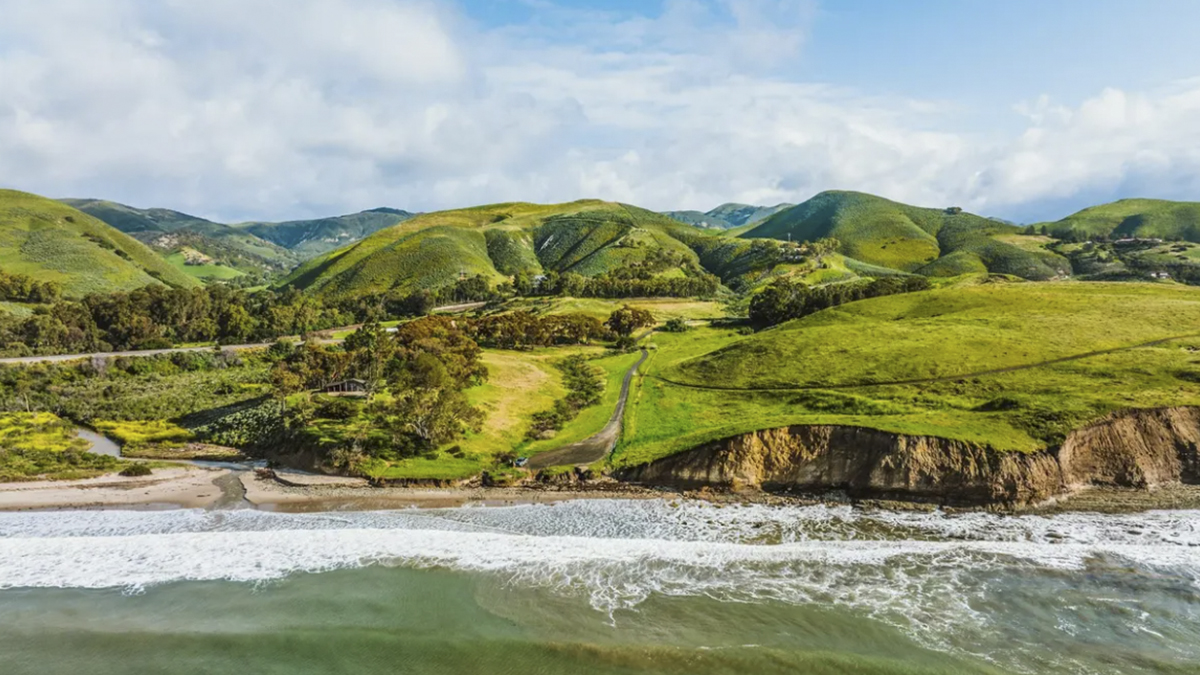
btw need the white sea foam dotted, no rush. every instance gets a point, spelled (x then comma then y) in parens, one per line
(928, 573)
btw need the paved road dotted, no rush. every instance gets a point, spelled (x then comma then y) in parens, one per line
(596, 447)
(446, 309)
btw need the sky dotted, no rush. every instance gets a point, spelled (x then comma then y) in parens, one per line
(274, 109)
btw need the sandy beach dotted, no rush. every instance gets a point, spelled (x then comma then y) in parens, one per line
(192, 486)
(186, 487)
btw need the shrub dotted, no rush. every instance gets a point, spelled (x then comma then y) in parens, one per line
(281, 350)
(676, 325)
(337, 408)
(136, 470)
(140, 432)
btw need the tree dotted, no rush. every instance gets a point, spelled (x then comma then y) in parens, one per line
(281, 350)
(434, 416)
(369, 350)
(627, 319)
(284, 383)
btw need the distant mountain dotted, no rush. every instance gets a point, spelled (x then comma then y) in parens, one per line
(131, 220)
(52, 241)
(212, 250)
(1147, 218)
(308, 238)
(727, 216)
(932, 242)
(199, 247)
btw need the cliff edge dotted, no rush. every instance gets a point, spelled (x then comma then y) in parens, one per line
(1137, 449)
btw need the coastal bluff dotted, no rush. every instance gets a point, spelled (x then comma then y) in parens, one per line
(1135, 449)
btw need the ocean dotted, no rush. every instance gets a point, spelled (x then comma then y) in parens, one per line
(598, 586)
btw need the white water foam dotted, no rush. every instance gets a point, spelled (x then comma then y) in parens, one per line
(928, 573)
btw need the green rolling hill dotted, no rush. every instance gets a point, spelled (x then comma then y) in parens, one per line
(933, 242)
(53, 241)
(727, 216)
(1142, 218)
(198, 247)
(587, 237)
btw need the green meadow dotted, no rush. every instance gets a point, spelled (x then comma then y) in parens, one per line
(833, 367)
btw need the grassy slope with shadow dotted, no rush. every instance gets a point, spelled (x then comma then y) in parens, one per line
(52, 241)
(1149, 218)
(587, 237)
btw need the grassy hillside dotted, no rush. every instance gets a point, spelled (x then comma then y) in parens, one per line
(982, 363)
(225, 252)
(1147, 218)
(129, 219)
(308, 238)
(52, 241)
(727, 216)
(431, 250)
(933, 242)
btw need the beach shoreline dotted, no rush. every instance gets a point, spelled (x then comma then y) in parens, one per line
(192, 486)
(207, 487)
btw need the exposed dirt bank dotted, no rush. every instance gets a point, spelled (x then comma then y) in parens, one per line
(1142, 449)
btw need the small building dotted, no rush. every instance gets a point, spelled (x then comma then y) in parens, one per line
(1160, 275)
(349, 387)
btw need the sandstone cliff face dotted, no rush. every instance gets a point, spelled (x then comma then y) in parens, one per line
(1136, 449)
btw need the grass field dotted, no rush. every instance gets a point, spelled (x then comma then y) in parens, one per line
(17, 309)
(519, 385)
(51, 241)
(590, 420)
(207, 272)
(143, 432)
(837, 354)
(662, 308)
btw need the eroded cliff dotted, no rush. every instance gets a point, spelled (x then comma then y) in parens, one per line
(1141, 448)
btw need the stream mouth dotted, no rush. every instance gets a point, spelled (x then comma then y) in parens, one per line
(100, 444)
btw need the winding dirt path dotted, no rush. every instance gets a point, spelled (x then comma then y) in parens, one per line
(597, 446)
(931, 380)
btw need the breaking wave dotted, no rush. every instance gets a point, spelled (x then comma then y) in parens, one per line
(933, 575)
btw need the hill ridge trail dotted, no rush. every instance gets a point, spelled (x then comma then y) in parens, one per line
(930, 380)
(597, 446)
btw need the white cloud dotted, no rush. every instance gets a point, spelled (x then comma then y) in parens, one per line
(275, 108)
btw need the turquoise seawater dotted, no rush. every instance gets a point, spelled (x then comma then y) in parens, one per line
(598, 587)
